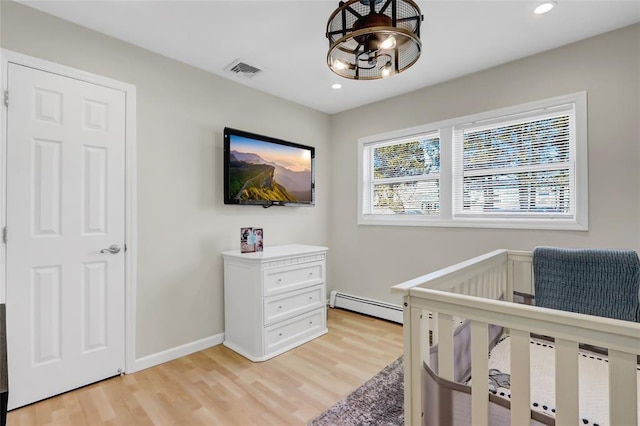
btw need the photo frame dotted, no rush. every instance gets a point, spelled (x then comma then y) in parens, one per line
(251, 240)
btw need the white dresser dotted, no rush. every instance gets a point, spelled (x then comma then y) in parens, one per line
(274, 300)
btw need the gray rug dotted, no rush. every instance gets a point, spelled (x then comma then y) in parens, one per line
(380, 401)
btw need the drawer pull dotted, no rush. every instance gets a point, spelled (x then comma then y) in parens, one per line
(310, 297)
(310, 322)
(279, 307)
(279, 334)
(279, 280)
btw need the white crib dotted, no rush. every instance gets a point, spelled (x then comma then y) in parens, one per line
(471, 290)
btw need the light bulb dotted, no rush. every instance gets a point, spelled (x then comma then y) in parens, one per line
(388, 43)
(544, 8)
(336, 86)
(339, 65)
(386, 70)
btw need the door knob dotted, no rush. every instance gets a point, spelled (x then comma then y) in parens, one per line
(113, 249)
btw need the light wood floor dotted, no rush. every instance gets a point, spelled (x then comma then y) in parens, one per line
(219, 387)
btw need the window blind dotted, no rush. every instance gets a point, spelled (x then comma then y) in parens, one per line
(522, 166)
(404, 177)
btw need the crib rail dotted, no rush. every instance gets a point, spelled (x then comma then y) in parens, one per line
(469, 290)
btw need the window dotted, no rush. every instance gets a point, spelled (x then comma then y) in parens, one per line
(519, 167)
(404, 177)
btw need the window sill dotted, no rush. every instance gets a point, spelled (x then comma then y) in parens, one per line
(493, 223)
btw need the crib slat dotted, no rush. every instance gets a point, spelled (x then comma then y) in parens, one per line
(566, 382)
(425, 329)
(510, 279)
(445, 346)
(413, 333)
(480, 374)
(623, 389)
(520, 378)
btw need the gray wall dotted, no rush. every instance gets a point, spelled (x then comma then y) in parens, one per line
(182, 223)
(368, 260)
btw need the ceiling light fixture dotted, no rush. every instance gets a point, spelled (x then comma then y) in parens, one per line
(544, 8)
(336, 86)
(371, 39)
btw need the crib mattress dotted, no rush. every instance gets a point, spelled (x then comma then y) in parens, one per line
(593, 380)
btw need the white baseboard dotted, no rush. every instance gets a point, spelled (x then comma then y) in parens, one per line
(177, 352)
(366, 306)
(350, 302)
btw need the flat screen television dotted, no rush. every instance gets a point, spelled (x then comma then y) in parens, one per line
(265, 171)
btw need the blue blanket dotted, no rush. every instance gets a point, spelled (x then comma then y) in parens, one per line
(597, 282)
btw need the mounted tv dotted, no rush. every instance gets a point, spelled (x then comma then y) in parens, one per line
(265, 171)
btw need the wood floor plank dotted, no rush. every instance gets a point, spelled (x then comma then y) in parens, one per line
(217, 386)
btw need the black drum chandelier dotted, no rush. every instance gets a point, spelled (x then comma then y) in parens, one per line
(371, 39)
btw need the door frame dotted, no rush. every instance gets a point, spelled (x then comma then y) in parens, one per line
(131, 235)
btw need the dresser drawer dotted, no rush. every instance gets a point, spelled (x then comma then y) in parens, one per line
(292, 331)
(279, 280)
(290, 304)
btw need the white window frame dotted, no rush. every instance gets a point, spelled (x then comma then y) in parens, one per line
(371, 181)
(365, 181)
(577, 222)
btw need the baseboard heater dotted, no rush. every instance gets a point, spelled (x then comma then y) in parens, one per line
(366, 306)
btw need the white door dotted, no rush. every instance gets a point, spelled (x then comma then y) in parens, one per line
(65, 206)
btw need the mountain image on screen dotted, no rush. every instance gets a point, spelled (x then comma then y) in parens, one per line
(253, 178)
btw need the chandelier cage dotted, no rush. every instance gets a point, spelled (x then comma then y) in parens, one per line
(372, 39)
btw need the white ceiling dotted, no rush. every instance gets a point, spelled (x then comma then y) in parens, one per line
(287, 40)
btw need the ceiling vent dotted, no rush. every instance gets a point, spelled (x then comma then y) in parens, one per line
(243, 69)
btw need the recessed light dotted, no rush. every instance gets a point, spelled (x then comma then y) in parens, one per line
(336, 86)
(544, 8)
